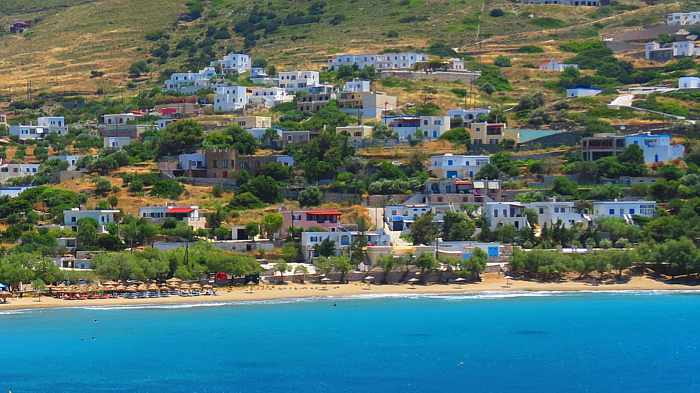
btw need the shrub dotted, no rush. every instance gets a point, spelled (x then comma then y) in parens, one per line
(245, 200)
(530, 49)
(167, 188)
(548, 23)
(496, 12)
(502, 61)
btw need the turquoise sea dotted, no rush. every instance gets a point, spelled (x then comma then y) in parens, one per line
(535, 343)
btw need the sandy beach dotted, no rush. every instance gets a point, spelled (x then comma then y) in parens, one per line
(490, 283)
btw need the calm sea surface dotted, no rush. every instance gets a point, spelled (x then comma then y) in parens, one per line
(541, 343)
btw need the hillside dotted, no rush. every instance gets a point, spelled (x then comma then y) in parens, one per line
(71, 38)
(88, 45)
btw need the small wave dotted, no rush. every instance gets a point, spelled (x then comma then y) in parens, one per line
(14, 312)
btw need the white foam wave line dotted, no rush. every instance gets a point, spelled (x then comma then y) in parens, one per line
(482, 295)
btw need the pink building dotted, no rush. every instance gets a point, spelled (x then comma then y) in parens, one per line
(328, 219)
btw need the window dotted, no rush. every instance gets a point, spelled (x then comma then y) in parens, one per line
(611, 212)
(631, 211)
(541, 210)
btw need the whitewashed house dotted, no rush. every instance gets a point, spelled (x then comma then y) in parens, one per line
(341, 239)
(384, 61)
(233, 63)
(468, 115)
(190, 82)
(409, 127)
(505, 213)
(295, 81)
(268, 97)
(118, 118)
(357, 86)
(683, 18)
(116, 142)
(71, 159)
(45, 125)
(230, 98)
(555, 66)
(449, 166)
(551, 212)
(10, 171)
(689, 82)
(102, 217)
(190, 215)
(624, 209)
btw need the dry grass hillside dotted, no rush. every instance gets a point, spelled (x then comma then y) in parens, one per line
(73, 38)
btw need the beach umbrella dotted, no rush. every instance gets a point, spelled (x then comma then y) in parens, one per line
(325, 279)
(196, 286)
(185, 286)
(121, 287)
(153, 287)
(173, 280)
(460, 279)
(413, 280)
(132, 288)
(112, 283)
(369, 278)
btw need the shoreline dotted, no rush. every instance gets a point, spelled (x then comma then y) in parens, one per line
(491, 284)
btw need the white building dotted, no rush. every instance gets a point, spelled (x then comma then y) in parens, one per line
(268, 97)
(116, 142)
(192, 161)
(555, 66)
(190, 215)
(684, 48)
(102, 217)
(624, 209)
(71, 159)
(233, 62)
(12, 192)
(357, 86)
(505, 213)
(408, 127)
(10, 171)
(45, 125)
(448, 166)
(190, 82)
(468, 115)
(582, 92)
(683, 18)
(456, 64)
(689, 82)
(401, 217)
(385, 61)
(341, 239)
(551, 212)
(230, 98)
(163, 122)
(118, 118)
(298, 80)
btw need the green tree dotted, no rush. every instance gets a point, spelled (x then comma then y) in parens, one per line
(424, 230)
(87, 233)
(310, 196)
(457, 227)
(180, 137)
(272, 223)
(564, 186)
(282, 267)
(426, 262)
(342, 265)
(475, 264)
(325, 248)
